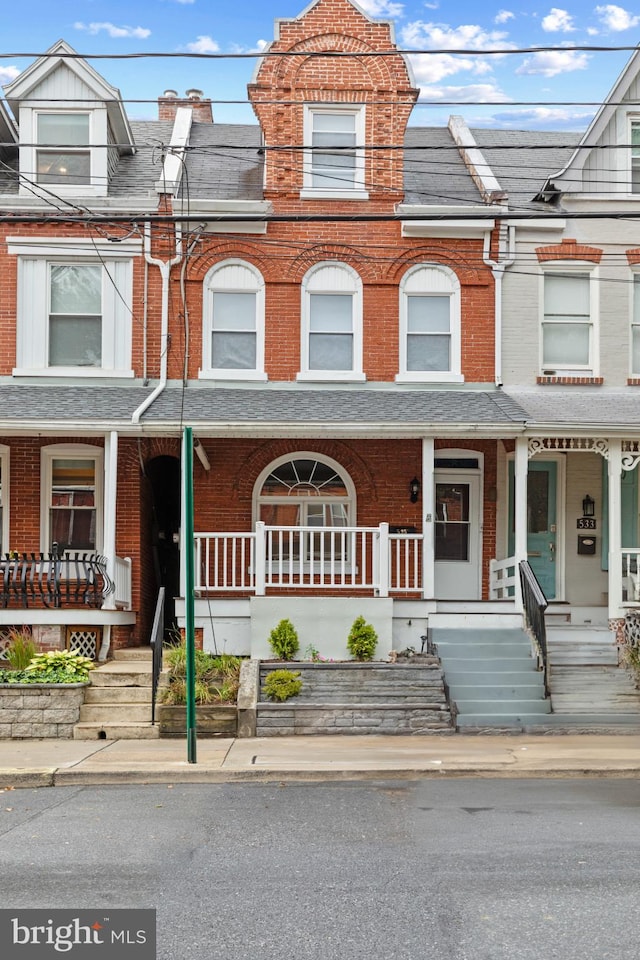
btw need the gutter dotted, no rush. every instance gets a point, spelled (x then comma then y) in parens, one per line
(506, 256)
(165, 272)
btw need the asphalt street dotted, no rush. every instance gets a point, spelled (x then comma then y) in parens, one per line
(383, 870)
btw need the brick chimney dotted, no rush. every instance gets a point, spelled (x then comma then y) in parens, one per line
(169, 102)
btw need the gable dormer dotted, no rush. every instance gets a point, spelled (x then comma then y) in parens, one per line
(319, 114)
(607, 160)
(72, 125)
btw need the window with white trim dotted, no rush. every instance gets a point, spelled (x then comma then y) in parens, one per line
(63, 155)
(331, 347)
(71, 498)
(430, 325)
(569, 341)
(233, 330)
(635, 327)
(306, 490)
(334, 158)
(74, 310)
(634, 127)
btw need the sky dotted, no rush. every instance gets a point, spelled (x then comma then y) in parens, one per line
(515, 91)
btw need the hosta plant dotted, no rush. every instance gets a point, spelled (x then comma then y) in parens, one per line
(281, 685)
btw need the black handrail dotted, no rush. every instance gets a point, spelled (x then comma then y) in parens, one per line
(54, 579)
(157, 637)
(534, 604)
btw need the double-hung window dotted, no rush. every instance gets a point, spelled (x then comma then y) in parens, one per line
(334, 159)
(635, 328)
(71, 510)
(635, 156)
(74, 307)
(331, 347)
(62, 152)
(569, 343)
(233, 331)
(430, 325)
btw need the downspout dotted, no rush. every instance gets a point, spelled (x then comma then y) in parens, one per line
(506, 256)
(165, 272)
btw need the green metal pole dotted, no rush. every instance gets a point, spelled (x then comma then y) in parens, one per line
(190, 639)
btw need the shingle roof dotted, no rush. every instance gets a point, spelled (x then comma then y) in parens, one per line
(224, 163)
(521, 160)
(434, 171)
(65, 403)
(137, 174)
(571, 406)
(266, 405)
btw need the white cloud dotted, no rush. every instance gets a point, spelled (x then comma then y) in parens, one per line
(381, 8)
(258, 47)
(202, 44)
(592, 32)
(617, 18)
(550, 63)
(7, 74)
(469, 93)
(558, 21)
(139, 33)
(440, 36)
(432, 6)
(503, 15)
(535, 118)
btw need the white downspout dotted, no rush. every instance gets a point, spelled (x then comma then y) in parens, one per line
(165, 272)
(505, 259)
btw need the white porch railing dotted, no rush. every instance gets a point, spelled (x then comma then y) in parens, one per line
(122, 580)
(631, 574)
(317, 558)
(503, 576)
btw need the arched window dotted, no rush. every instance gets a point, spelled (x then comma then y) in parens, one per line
(233, 322)
(331, 329)
(305, 490)
(430, 325)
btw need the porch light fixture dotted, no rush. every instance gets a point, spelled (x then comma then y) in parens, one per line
(588, 507)
(414, 490)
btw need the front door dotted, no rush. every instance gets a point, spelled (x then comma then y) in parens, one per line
(457, 537)
(542, 537)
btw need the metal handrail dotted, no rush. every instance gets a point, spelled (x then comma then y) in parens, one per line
(534, 605)
(157, 637)
(54, 579)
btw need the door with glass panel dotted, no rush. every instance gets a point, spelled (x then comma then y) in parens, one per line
(542, 510)
(458, 541)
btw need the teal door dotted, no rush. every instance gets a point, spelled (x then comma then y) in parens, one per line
(542, 537)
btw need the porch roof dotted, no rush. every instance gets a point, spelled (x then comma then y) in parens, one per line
(404, 410)
(280, 408)
(568, 407)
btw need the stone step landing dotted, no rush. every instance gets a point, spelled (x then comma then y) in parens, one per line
(117, 704)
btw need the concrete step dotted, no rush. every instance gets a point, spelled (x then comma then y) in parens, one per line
(496, 691)
(501, 707)
(507, 722)
(115, 713)
(121, 678)
(133, 653)
(479, 635)
(117, 694)
(116, 731)
(454, 666)
(488, 650)
(463, 677)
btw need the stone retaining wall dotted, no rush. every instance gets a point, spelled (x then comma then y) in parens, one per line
(35, 710)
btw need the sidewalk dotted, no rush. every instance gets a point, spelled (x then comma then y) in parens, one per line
(46, 763)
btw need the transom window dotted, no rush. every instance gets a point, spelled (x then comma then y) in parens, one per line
(234, 322)
(75, 315)
(331, 345)
(430, 324)
(305, 492)
(567, 326)
(62, 154)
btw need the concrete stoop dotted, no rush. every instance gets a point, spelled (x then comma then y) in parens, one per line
(117, 704)
(359, 698)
